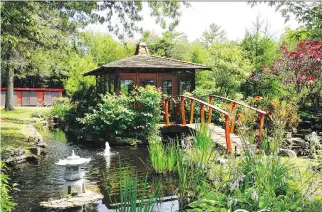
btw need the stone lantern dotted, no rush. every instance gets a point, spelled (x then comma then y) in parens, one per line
(73, 174)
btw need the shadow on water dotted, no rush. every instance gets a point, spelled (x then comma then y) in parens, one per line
(43, 180)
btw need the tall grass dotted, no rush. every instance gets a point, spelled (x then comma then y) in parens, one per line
(192, 178)
(134, 195)
(163, 156)
(192, 167)
(202, 139)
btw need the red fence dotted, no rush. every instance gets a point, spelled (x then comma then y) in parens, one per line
(33, 96)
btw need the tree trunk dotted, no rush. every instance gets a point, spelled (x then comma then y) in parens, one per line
(9, 104)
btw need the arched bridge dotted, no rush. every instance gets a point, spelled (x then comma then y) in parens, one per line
(222, 136)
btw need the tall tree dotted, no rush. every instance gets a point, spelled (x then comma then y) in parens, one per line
(261, 50)
(229, 67)
(27, 26)
(301, 71)
(212, 35)
(308, 14)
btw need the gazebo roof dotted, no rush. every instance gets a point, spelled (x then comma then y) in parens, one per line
(143, 61)
(147, 62)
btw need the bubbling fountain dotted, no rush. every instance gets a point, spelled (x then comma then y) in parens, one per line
(107, 151)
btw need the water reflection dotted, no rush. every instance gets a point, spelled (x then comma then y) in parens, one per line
(107, 161)
(44, 180)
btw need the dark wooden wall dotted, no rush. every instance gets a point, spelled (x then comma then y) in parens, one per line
(158, 77)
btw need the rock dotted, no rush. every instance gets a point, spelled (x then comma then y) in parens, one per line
(14, 156)
(313, 156)
(50, 122)
(305, 125)
(288, 135)
(222, 161)
(287, 153)
(75, 201)
(294, 141)
(41, 144)
(314, 142)
(35, 136)
(32, 158)
(35, 150)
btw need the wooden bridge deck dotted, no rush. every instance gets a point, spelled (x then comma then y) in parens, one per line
(217, 135)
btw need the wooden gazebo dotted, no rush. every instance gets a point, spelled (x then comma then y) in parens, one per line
(173, 76)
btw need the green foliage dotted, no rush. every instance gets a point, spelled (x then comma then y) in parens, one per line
(92, 50)
(7, 203)
(229, 66)
(116, 116)
(61, 108)
(132, 197)
(306, 13)
(213, 35)
(203, 140)
(76, 82)
(38, 38)
(263, 83)
(257, 182)
(261, 50)
(163, 157)
(193, 182)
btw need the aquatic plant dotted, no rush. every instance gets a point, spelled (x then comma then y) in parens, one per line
(202, 139)
(192, 176)
(163, 156)
(134, 194)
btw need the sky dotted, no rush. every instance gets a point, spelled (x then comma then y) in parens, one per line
(233, 17)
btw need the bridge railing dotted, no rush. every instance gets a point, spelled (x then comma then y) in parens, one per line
(261, 113)
(202, 114)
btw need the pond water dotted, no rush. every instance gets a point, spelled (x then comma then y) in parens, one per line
(44, 180)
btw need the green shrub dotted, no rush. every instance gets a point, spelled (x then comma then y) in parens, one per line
(61, 108)
(136, 115)
(6, 200)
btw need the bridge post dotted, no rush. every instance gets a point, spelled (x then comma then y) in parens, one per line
(166, 109)
(202, 113)
(233, 112)
(227, 133)
(183, 115)
(192, 110)
(211, 99)
(261, 127)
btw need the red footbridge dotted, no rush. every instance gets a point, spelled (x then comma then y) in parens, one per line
(223, 136)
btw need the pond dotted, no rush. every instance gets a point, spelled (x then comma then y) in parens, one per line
(44, 180)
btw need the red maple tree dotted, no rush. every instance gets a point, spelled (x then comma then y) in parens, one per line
(302, 67)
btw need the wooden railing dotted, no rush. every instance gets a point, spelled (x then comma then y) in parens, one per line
(202, 114)
(233, 113)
